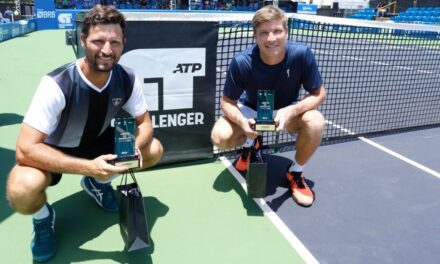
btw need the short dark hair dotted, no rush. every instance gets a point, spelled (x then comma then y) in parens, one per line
(105, 15)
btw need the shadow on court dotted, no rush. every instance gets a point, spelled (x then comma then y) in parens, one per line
(79, 221)
(8, 160)
(181, 164)
(225, 183)
(276, 178)
(10, 119)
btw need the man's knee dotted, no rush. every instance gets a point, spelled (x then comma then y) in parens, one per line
(216, 137)
(152, 153)
(25, 189)
(226, 135)
(314, 120)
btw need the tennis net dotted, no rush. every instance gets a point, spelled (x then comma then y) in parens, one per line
(380, 77)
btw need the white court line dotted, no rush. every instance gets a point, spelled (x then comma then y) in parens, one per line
(403, 158)
(376, 62)
(273, 217)
(387, 150)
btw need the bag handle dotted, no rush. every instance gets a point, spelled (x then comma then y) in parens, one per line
(125, 177)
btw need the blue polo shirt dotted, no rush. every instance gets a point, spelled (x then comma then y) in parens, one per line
(247, 73)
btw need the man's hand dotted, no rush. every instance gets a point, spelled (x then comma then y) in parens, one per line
(102, 170)
(284, 116)
(138, 153)
(247, 126)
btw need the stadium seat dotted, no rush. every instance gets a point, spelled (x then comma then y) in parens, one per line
(428, 20)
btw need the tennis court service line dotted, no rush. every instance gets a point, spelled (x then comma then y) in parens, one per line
(273, 217)
(389, 151)
(367, 60)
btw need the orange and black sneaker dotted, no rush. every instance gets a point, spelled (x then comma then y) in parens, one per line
(243, 160)
(301, 193)
(257, 143)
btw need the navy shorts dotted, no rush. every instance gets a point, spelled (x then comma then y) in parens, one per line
(104, 144)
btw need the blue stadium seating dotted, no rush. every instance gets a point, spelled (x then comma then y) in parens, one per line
(364, 14)
(425, 15)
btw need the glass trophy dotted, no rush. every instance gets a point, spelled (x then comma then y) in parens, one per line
(125, 135)
(265, 105)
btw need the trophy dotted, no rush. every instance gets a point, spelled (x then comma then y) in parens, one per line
(125, 131)
(265, 105)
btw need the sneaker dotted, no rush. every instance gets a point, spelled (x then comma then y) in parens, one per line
(103, 194)
(252, 154)
(242, 162)
(43, 242)
(301, 193)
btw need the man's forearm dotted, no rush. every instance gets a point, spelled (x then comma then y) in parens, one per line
(144, 135)
(47, 158)
(311, 101)
(232, 112)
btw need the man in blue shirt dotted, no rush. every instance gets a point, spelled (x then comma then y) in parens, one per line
(283, 66)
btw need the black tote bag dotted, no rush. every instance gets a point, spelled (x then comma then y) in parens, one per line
(132, 218)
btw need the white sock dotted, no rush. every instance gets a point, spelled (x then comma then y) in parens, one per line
(109, 180)
(249, 142)
(42, 213)
(296, 167)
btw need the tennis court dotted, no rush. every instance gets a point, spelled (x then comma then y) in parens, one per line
(376, 197)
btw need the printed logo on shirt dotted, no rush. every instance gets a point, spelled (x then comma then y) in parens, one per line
(167, 77)
(116, 101)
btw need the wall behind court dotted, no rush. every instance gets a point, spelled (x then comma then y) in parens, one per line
(15, 29)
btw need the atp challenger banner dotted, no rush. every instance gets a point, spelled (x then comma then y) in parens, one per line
(176, 64)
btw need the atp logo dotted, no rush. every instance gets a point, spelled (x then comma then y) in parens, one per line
(167, 74)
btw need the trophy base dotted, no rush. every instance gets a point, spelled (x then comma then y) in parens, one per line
(131, 162)
(265, 126)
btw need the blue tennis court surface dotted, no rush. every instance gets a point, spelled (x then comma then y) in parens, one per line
(376, 200)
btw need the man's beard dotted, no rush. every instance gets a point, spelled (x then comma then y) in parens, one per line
(93, 62)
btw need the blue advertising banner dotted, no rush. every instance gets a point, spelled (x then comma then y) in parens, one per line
(16, 30)
(45, 13)
(21, 27)
(5, 31)
(310, 9)
(28, 25)
(48, 17)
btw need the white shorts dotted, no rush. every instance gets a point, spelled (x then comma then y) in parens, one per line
(249, 112)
